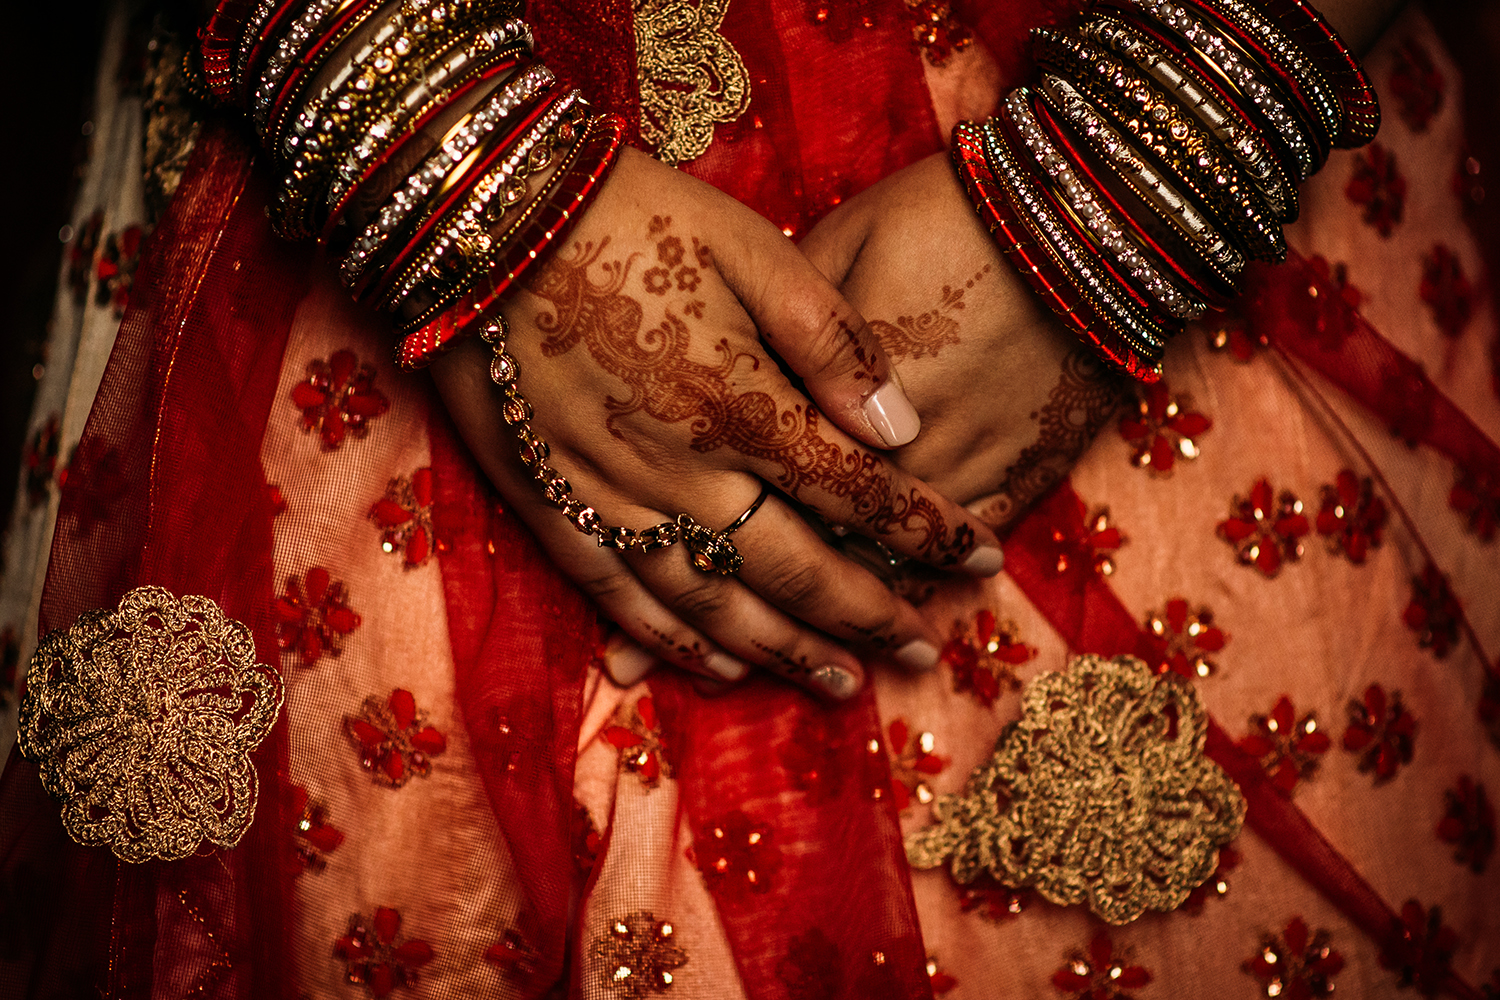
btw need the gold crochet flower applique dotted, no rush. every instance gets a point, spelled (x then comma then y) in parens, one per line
(1100, 793)
(636, 956)
(142, 720)
(690, 77)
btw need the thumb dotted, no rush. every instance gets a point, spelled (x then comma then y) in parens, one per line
(817, 333)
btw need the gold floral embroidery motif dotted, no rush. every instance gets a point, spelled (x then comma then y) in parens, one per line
(1100, 793)
(142, 720)
(690, 76)
(636, 956)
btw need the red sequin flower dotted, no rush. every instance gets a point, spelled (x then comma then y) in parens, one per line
(1381, 732)
(1162, 427)
(1216, 886)
(935, 32)
(1181, 640)
(375, 957)
(941, 981)
(1417, 85)
(513, 956)
(316, 837)
(339, 398)
(1266, 531)
(1419, 948)
(393, 739)
(586, 838)
(1084, 543)
(116, 269)
(1100, 974)
(1468, 823)
(1477, 498)
(1378, 185)
(736, 855)
(983, 661)
(992, 899)
(404, 517)
(92, 484)
(1352, 517)
(1229, 333)
(912, 763)
(80, 256)
(1433, 612)
(1288, 748)
(1446, 290)
(1295, 965)
(40, 460)
(636, 734)
(315, 616)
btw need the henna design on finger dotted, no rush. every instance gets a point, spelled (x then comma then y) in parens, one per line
(692, 655)
(1082, 402)
(665, 383)
(926, 334)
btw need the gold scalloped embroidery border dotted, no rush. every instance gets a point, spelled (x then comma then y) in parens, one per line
(690, 77)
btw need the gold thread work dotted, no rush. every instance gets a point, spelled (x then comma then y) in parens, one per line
(691, 78)
(142, 720)
(1099, 794)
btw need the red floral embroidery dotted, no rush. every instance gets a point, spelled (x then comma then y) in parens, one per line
(1326, 313)
(1288, 748)
(92, 485)
(1446, 290)
(1419, 948)
(1433, 612)
(1468, 185)
(984, 661)
(991, 899)
(513, 956)
(636, 734)
(339, 398)
(404, 517)
(1352, 517)
(912, 763)
(1181, 640)
(586, 838)
(736, 855)
(116, 269)
(1229, 334)
(1378, 185)
(315, 616)
(1162, 427)
(935, 32)
(1100, 974)
(1216, 886)
(941, 981)
(316, 837)
(1295, 965)
(1468, 823)
(1417, 85)
(375, 958)
(1477, 498)
(81, 256)
(277, 502)
(393, 738)
(40, 460)
(1407, 401)
(1263, 535)
(1085, 542)
(1381, 731)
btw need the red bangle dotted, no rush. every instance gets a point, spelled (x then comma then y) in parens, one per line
(555, 220)
(261, 47)
(308, 63)
(1355, 92)
(217, 42)
(1034, 265)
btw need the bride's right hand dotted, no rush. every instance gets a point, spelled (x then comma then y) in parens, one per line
(642, 346)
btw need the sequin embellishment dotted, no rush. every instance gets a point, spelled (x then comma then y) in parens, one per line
(636, 956)
(142, 719)
(1101, 794)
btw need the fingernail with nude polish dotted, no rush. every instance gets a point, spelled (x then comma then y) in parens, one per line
(836, 681)
(725, 666)
(917, 655)
(892, 415)
(984, 561)
(628, 663)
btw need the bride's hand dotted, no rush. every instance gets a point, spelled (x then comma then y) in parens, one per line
(1009, 400)
(642, 347)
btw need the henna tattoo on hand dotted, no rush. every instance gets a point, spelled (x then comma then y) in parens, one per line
(666, 384)
(926, 334)
(1081, 403)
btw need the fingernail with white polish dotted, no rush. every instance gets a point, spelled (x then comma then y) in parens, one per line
(917, 655)
(836, 681)
(892, 415)
(984, 561)
(628, 663)
(725, 666)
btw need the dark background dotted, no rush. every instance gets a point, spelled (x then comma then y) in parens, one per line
(51, 55)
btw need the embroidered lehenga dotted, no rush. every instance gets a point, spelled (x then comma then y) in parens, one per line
(1293, 532)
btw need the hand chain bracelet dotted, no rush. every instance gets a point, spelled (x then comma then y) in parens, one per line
(712, 551)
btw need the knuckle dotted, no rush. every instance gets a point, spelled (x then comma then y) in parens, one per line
(604, 586)
(701, 600)
(796, 585)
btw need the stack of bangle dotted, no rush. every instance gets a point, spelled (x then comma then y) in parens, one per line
(1156, 154)
(342, 90)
